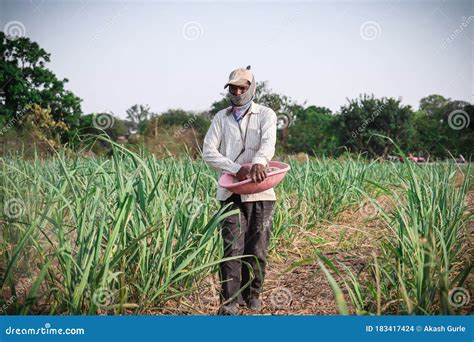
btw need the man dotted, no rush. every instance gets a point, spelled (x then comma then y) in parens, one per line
(243, 133)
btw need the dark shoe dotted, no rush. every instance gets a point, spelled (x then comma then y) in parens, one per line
(255, 304)
(241, 301)
(231, 309)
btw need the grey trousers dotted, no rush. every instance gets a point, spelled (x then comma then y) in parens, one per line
(245, 234)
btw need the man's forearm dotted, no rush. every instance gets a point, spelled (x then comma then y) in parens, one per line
(219, 162)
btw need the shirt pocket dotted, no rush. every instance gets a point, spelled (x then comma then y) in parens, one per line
(252, 141)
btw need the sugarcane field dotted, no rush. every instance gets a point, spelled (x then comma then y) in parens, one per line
(258, 159)
(133, 234)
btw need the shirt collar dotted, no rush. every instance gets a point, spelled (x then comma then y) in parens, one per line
(252, 110)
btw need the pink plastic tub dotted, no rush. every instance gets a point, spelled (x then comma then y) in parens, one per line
(248, 186)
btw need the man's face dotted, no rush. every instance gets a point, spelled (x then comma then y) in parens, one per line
(238, 89)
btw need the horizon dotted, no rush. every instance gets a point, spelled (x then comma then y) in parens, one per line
(186, 50)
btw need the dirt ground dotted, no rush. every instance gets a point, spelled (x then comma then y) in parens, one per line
(293, 287)
(295, 284)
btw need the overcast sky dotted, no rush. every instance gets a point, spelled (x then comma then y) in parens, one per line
(179, 55)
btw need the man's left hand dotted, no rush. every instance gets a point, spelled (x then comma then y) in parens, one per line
(257, 173)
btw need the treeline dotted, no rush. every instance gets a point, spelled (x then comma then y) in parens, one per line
(35, 104)
(440, 128)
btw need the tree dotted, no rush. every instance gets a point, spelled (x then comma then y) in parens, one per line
(314, 132)
(25, 80)
(98, 123)
(175, 132)
(444, 126)
(39, 122)
(139, 114)
(178, 118)
(367, 116)
(433, 105)
(465, 140)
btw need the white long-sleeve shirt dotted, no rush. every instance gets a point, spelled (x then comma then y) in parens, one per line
(223, 144)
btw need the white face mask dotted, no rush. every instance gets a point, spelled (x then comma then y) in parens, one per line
(243, 99)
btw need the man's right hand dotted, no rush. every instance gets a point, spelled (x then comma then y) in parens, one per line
(242, 174)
